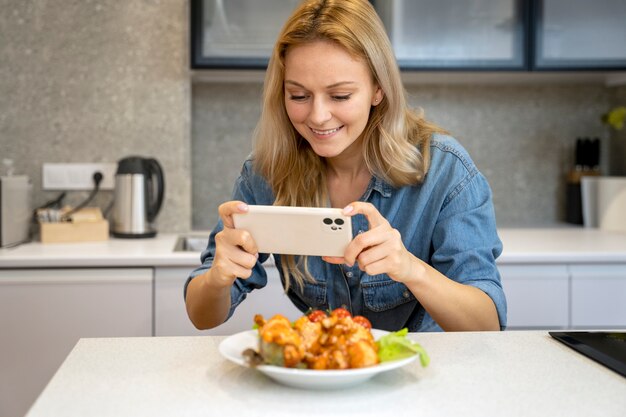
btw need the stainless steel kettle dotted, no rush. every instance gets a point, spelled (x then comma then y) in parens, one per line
(138, 196)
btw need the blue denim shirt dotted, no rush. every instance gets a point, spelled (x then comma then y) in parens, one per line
(447, 221)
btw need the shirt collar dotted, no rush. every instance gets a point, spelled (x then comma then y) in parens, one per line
(377, 184)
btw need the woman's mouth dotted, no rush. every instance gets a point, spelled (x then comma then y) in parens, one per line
(326, 132)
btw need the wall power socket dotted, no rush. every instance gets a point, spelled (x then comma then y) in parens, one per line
(77, 176)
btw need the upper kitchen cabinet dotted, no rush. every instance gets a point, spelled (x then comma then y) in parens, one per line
(452, 34)
(236, 33)
(520, 37)
(426, 34)
(579, 34)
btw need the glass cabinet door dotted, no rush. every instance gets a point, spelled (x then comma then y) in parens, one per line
(580, 34)
(453, 34)
(236, 33)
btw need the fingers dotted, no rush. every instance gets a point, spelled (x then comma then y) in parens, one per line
(363, 241)
(227, 209)
(236, 254)
(334, 260)
(229, 271)
(379, 227)
(380, 249)
(382, 258)
(374, 218)
(233, 240)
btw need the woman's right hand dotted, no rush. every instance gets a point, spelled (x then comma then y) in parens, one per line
(236, 252)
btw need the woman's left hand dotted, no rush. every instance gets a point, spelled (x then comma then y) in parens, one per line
(380, 249)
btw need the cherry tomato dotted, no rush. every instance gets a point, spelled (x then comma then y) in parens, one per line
(360, 320)
(340, 313)
(316, 315)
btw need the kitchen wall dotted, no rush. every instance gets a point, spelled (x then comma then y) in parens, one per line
(93, 81)
(521, 137)
(618, 138)
(99, 80)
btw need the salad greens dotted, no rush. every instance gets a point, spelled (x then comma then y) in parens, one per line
(396, 345)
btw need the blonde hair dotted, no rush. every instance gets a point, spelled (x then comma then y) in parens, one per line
(396, 139)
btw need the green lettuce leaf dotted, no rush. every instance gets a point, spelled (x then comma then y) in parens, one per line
(396, 345)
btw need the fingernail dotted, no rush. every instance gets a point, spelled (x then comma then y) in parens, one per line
(347, 209)
(242, 207)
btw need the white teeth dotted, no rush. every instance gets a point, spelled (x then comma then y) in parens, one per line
(325, 132)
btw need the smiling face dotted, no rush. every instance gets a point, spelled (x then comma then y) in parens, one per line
(328, 97)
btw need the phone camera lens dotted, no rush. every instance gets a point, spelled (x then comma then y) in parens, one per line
(339, 221)
(328, 221)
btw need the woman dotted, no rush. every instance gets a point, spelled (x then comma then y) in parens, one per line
(336, 131)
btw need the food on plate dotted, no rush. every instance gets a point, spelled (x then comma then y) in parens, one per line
(327, 341)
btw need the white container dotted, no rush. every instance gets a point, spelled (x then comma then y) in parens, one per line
(16, 211)
(604, 203)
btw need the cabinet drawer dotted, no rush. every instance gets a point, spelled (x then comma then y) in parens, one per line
(537, 295)
(599, 296)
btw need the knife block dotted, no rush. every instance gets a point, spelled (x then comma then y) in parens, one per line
(574, 199)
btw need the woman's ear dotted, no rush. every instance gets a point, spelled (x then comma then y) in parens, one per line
(378, 96)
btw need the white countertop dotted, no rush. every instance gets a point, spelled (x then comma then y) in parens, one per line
(557, 245)
(470, 374)
(158, 251)
(562, 245)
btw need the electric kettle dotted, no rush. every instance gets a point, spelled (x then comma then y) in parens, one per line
(138, 196)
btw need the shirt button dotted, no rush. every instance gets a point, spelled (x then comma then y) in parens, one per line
(349, 274)
(406, 294)
(360, 231)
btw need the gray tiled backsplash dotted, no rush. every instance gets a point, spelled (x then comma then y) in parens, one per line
(521, 138)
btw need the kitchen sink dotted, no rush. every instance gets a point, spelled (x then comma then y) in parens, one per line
(196, 243)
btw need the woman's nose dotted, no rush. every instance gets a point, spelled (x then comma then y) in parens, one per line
(320, 112)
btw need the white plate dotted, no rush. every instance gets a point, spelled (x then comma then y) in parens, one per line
(233, 346)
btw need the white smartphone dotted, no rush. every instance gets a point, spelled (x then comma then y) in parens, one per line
(285, 230)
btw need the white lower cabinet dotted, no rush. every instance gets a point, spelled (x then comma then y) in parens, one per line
(537, 295)
(569, 296)
(598, 296)
(171, 317)
(43, 313)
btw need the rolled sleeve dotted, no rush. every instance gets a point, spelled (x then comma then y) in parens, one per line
(466, 241)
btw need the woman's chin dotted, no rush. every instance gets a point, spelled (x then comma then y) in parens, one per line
(326, 152)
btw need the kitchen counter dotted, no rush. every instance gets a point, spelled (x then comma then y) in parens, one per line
(470, 374)
(573, 245)
(158, 251)
(558, 245)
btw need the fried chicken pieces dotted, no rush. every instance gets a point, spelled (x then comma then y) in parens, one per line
(331, 342)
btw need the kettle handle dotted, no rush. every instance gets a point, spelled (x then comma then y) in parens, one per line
(154, 204)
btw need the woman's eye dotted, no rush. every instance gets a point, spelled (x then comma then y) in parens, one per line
(341, 98)
(295, 97)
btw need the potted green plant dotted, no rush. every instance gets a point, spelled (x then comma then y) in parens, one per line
(615, 117)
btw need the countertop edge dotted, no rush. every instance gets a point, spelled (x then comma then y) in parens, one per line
(520, 246)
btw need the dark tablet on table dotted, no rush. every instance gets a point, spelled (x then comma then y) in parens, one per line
(607, 348)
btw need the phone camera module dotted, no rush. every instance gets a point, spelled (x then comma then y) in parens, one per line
(328, 221)
(338, 222)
